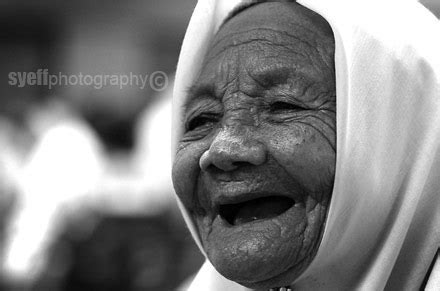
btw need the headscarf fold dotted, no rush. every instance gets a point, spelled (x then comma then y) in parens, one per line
(383, 225)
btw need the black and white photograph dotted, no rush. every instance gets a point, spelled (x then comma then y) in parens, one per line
(220, 145)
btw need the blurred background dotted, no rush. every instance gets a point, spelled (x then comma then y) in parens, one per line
(86, 201)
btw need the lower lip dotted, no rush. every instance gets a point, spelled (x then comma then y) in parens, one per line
(260, 248)
(289, 218)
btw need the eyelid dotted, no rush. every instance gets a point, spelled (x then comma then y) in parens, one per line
(211, 118)
(288, 99)
(284, 105)
(207, 105)
(208, 110)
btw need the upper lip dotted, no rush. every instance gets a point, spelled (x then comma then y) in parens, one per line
(248, 183)
(242, 197)
(238, 192)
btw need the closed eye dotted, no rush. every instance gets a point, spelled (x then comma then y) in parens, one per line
(201, 121)
(284, 106)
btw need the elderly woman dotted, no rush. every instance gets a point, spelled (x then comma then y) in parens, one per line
(307, 144)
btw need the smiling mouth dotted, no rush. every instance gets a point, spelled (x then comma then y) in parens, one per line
(255, 209)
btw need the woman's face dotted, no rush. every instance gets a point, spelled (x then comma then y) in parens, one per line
(255, 165)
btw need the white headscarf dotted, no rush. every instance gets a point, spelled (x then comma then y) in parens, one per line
(383, 225)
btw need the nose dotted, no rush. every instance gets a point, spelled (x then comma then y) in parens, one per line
(231, 149)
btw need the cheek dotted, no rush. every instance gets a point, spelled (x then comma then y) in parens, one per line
(306, 155)
(186, 170)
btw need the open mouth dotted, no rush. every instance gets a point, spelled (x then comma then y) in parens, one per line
(256, 209)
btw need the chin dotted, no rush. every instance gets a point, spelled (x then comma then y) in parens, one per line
(265, 253)
(283, 279)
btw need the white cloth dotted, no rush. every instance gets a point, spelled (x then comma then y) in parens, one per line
(383, 225)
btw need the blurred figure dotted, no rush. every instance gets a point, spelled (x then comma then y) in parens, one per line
(140, 242)
(138, 181)
(62, 167)
(152, 154)
(82, 205)
(11, 145)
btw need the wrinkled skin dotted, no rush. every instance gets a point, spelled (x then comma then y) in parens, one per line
(261, 121)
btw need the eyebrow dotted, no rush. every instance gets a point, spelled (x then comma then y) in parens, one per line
(198, 92)
(272, 76)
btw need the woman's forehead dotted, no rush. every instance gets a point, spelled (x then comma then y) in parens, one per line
(255, 44)
(279, 16)
(274, 30)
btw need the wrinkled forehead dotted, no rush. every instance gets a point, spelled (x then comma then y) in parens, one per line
(278, 17)
(272, 42)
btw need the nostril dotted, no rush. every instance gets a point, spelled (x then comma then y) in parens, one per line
(215, 160)
(224, 164)
(240, 164)
(213, 169)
